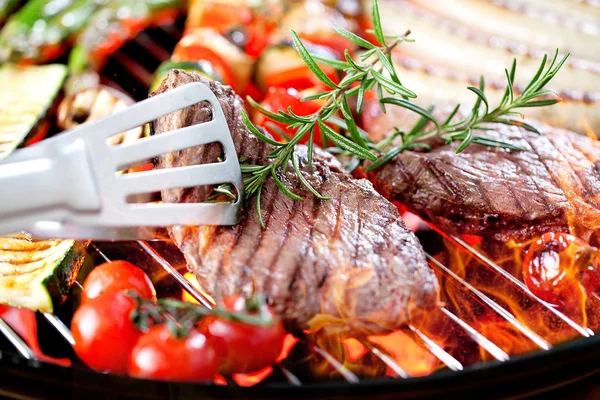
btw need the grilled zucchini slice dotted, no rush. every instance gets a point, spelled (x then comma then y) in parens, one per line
(37, 274)
(26, 96)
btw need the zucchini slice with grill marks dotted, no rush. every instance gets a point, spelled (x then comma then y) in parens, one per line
(38, 274)
(26, 96)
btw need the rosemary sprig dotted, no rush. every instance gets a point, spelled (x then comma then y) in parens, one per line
(374, 70)
(359, 76)
(533, 95)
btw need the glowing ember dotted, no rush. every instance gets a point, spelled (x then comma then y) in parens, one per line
(220, 380)
(288, 344)
(354, 349)
(415, 360)
(252, 379)
(256, 377)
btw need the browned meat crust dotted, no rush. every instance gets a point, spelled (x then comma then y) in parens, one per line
(350, 257)
(552, 185)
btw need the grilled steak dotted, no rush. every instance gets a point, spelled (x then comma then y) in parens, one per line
(351, 257)
(552, 184)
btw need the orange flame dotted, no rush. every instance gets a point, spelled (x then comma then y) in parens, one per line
(185, 296)
(254, 378)
(415, 360)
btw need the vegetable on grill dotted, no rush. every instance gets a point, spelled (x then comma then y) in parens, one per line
(113, 25)
(159, 354)
(314, 21)
(247, 348)
(562, 269)
(104, 333)
(281, 66)
(37, 274)
(26, 95)
(120, 327)
(116, 276)
(40, 31)
(43, 29)
(229, 60)
(95, 103)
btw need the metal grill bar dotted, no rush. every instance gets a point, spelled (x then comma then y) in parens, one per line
(60, 327)
(198, 295)
(437, 351)
(291, 378)
(172, 271)
(158, 52)
(534, 337)
(348, 375)
(478, 338)
(389, 361)
(100, 253)
(586, 332)
(16, 341)
(345, 372)
(134, 68)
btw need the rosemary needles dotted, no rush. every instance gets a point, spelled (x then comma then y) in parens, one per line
(373, 70)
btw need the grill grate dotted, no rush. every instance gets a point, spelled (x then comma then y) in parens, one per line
(428, 343)
(130, 70)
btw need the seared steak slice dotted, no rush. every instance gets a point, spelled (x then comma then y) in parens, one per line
(551, 185)
(351, 257)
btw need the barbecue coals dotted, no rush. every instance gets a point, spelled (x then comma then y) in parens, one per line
(552, 185)
(351, 256)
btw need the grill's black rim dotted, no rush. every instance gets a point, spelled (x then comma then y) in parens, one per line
(519, 377)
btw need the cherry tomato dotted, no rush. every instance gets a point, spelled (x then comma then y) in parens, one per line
(190, 51)
(103, 332)
(280, 99)
(117, 276)
(160, 355)
(557, 265)
(247, 347)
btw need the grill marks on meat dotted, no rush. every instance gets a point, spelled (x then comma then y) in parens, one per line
(350, 257)
(551, 185)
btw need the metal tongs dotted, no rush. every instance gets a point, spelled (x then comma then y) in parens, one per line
(69, 186)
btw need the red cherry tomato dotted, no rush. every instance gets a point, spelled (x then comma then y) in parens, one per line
(103, 332)
(247, 347)
(557, 265)
(159, 355)
(299, 78)
(188, 51)
(117, 276)
(280, 99)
